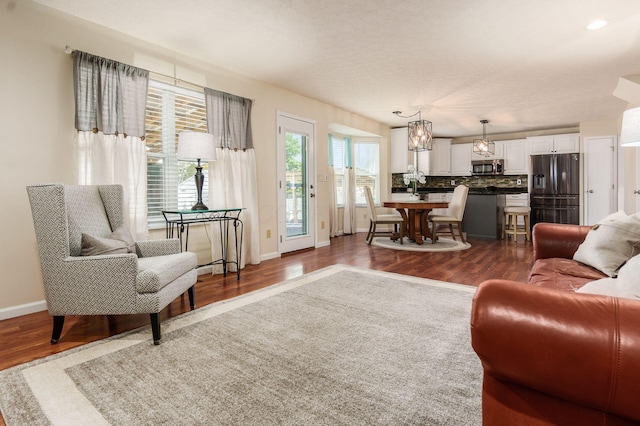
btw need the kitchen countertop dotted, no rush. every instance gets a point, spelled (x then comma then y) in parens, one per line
(489, 190)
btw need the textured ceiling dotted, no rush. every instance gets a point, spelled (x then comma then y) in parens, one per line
(521, 64)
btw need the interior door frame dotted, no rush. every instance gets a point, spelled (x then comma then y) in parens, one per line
(611, 162)
(310, 241)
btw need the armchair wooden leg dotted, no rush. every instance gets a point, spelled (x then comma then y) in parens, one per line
(155, 328)
(192, 297)
(58, 322)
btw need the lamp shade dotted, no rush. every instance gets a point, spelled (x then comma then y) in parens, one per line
(196, 146)
(630, 131)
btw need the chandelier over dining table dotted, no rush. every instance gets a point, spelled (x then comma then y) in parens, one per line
(420, 132)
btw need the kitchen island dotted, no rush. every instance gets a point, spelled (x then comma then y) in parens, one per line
(481, 216)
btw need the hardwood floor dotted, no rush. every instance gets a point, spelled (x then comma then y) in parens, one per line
(27, 337)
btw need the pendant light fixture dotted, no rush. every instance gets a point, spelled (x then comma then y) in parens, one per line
(420, 133)
(484, 146)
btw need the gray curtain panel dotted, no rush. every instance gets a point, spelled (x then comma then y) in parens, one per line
(111, 97)
(229, 119)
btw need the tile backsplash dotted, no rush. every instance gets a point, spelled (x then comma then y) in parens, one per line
(502, 181)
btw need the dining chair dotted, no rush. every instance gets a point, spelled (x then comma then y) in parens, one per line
(376, 219)
(453, 216)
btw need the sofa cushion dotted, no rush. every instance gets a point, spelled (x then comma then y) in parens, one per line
(156, 272)
(626, 285)
(610, 243)
(563, 274)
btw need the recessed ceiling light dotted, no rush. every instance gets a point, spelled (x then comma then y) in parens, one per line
(597, 24)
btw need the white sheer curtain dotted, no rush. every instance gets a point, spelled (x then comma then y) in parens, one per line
(233, 183)
(111, 159)
(333, 205)
(232, 177)
(349, 190)
(110, 100)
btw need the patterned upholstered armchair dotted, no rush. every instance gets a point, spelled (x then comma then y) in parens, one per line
(72, 224)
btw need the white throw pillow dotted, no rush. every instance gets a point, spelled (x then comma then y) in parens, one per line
(610, 243)
(627, 284)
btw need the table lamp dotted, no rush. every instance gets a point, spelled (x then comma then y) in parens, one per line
(197, 146)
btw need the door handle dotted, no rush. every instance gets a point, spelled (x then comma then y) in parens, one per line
(312, 195)
(590, 191)
(636, 191)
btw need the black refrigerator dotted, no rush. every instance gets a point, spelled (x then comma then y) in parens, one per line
(555, 188)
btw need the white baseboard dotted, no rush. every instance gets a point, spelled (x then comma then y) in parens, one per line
(323, 244)
(205, 270)
(27, 308)
(269, 256)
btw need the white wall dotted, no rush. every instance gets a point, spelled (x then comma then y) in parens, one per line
(36, 106)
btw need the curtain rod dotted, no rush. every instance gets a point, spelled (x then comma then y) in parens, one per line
(69, 50)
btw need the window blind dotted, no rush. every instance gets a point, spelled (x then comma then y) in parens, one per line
(170, 183)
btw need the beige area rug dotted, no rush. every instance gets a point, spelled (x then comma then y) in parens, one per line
(442, 244)
(340, 346)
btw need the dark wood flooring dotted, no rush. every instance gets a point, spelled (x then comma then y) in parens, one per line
(27, 337)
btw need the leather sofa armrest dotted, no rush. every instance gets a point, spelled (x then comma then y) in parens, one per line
(580, 348)
(557, 240)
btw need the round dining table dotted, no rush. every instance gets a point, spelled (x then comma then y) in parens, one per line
(414, 215)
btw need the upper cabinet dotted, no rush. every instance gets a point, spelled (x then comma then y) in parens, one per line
(436, 162)
(461, 159)
(516, 157)
(560, 144)
(499, 154)
(400, 157)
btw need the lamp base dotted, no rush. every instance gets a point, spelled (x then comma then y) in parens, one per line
(199, 206)
(199, 179)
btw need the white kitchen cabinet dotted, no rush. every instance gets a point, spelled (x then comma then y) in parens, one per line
(400, 157)
(498, 155)
(554, 144)
(436, 162)
(516, 157)
(461, 159)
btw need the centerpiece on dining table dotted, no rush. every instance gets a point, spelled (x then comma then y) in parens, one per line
(411, 179)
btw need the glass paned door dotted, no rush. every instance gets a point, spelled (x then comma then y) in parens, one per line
(297, 207)
(296, 192)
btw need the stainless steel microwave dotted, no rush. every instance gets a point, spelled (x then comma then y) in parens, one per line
(486, 167)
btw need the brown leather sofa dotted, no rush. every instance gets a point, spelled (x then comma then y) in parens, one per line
(552, 356)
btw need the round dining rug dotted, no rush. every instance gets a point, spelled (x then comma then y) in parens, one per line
(442, 244)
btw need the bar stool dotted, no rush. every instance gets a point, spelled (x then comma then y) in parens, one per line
(510, 222)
